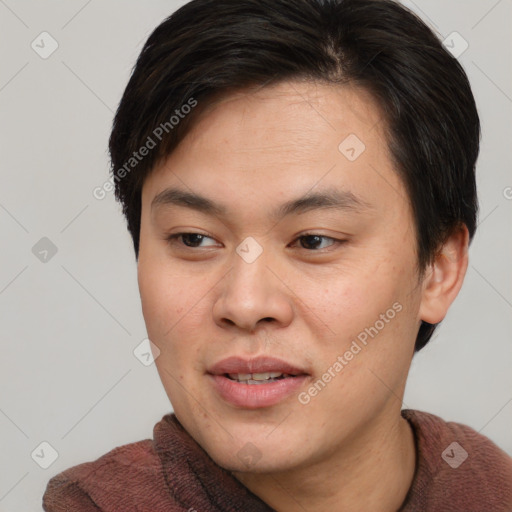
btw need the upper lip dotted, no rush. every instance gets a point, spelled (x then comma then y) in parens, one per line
(260, 364)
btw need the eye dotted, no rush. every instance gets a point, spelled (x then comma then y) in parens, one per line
(312, 240)
(190, 240)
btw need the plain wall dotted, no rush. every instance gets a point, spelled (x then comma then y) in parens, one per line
(68, 375)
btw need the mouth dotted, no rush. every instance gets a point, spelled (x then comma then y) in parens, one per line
(257, 378)
(256, 383)
(258, 368)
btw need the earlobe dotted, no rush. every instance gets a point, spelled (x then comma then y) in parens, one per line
(444, 277)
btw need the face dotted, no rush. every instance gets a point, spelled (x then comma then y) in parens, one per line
(278, 276)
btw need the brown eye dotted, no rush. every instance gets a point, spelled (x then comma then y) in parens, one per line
(191, 240)
(312, 241)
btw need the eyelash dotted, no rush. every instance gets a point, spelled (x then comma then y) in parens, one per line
(171, 239)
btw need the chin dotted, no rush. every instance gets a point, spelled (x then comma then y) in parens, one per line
(253, 452)
(248, 460)
(247, 441)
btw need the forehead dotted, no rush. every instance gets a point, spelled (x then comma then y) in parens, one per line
(288, 115)
(279, 142)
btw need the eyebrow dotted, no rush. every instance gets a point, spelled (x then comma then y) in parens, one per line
(328, 198)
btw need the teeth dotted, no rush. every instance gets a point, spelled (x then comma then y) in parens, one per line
(244, 377)
(266, 375)
(240, 376)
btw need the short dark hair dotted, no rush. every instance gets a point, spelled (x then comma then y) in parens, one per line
(209, 48)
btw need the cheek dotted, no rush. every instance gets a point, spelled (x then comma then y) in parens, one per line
(174, 306)
(154, 299)
(375, 304)
(163, 297)
(355, 299)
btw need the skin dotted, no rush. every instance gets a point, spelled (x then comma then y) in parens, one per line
(300, 300)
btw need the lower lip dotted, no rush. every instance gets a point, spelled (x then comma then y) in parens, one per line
(254, 396)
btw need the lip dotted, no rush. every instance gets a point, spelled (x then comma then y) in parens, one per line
(255, 396)
(260, 364)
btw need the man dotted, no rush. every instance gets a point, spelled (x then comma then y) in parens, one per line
(298, 179)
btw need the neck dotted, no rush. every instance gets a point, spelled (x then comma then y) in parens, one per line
(373, 471)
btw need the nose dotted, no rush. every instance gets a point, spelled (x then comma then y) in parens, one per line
(253, 293)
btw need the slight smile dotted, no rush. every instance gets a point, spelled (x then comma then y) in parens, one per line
(256, 383)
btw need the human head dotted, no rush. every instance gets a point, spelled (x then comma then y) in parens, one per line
(250, 116)
(210, 48)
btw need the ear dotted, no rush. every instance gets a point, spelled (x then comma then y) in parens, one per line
(444, 277)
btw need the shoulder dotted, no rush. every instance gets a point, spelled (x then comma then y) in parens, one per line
(114, 481)
(457, 467)
(170, 472)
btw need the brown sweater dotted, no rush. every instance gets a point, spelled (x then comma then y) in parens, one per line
(172, 473)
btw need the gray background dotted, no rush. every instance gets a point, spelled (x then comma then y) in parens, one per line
(68, 375)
